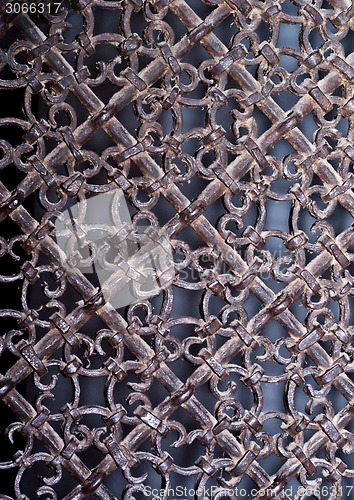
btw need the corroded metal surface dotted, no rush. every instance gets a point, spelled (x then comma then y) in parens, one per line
(241, 147)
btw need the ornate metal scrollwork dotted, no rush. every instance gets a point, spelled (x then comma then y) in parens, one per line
(228, 124)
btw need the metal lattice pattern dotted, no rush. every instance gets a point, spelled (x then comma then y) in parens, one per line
(112, 92)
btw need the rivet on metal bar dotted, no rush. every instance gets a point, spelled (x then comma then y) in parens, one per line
(151, 420)
(43, 172)
(29, 272)
(303, 459)
(213, 364)
(329, 428)
(12, 203)
(64, 328)
(29, 354)
(43, 49)
(333, 248)
(115, 369)
(226, 62)
(120, 454)
(333, 372)
(244, 463)
(153, 365)
(37, 130)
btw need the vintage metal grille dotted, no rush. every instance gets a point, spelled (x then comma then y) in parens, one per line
(230, 124)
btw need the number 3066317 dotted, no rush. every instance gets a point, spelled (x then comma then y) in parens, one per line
(33, 8)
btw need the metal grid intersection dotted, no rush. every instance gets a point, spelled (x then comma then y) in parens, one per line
(163, 64)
